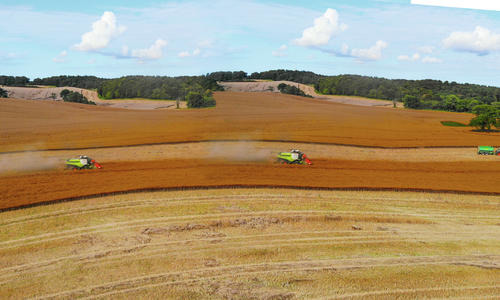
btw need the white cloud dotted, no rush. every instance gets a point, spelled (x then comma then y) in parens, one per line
(324, 28)
(281, 51)
(102, 32)
(431, 60)
(195, 52)
(372, 53)
(153, 52)
(418, 57)
(61, 57)
(480, 41)
(414, 57)
(426, 49)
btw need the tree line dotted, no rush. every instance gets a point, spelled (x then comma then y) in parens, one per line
(14, 80)
(197, 90)
(417, 94)
(304, 77)
(83, 82)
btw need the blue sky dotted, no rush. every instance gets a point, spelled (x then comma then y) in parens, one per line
(386, 38)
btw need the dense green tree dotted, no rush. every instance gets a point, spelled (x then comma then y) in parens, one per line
(64, 93)
(292, 90)
(3, 93)
(70, 96)
(411, 101)
(197, 99)
(486, 117)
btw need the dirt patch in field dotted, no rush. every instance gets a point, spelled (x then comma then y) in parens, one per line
(272, 86)
(54, 93)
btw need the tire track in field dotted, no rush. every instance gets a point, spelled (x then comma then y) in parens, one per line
(67, 234)
(100, 259)
(209, 199)
(166, 278)
(415, 291)
(185, 241)
(186, 282)
(51, 236)
(182, 250)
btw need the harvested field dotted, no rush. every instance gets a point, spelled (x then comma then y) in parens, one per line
(262, 243)
(31, 125)
(369, 219)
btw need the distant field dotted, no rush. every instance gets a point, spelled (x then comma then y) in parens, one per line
(264, 243)
(29, 125)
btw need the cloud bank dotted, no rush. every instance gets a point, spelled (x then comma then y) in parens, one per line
(324, 28)
(153, 52)
(372, 53)
(103, 31)
(481, 41)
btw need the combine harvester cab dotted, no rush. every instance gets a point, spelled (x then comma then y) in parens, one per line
(293, 157)
(82, 162)
(487, 150)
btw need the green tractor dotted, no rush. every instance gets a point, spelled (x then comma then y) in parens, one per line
(293, 157)
(82, 162)
(487, 150)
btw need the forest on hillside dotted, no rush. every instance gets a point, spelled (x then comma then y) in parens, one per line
(416, 94)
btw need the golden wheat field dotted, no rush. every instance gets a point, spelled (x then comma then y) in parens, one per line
(190, 204)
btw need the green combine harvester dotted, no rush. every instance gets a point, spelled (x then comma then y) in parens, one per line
(82, 162)
(293, 157)
(487, 150)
